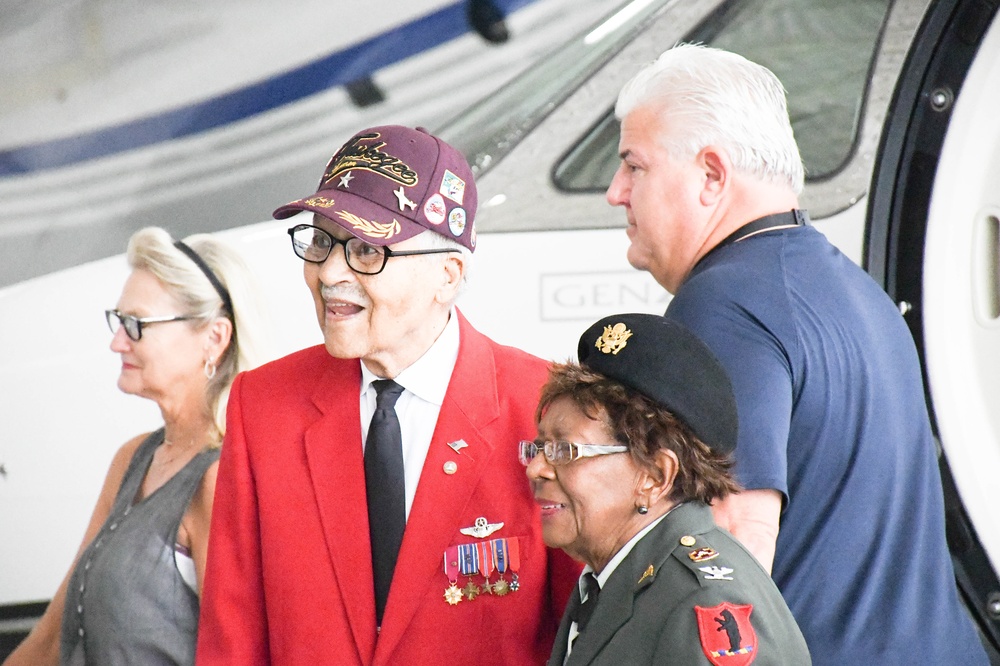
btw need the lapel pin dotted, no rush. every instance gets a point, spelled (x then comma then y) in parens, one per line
(648, 573)
(404, 202)
(457, 447)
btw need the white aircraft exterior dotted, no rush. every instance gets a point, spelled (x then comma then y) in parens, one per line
(893, 102)
(67, 197)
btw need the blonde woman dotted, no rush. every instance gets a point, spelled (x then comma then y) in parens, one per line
(184, 326)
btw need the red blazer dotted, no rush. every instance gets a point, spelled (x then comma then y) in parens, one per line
(289, 577)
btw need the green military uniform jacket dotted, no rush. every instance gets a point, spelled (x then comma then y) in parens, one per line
(688, 593)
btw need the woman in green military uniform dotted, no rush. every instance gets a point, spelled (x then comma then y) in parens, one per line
(633, 445)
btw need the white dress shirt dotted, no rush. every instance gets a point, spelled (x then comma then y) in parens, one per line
(424, 383)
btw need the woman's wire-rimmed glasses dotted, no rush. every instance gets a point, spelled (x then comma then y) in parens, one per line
(314, 245)
(133, 325)
(562, 452)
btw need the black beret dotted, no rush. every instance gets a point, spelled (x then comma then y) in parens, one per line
(665, 362)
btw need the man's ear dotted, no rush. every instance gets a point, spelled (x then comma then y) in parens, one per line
(453, 272)
(656, 487)
(717, 168)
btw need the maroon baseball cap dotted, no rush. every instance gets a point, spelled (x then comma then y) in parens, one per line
(390, 183)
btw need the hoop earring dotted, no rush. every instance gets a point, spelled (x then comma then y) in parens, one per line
(643, 509)
(209, 368)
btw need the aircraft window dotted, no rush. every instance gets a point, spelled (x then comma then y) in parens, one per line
(820, 49)
(490, 129)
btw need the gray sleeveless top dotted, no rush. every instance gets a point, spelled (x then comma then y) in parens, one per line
(126, 602)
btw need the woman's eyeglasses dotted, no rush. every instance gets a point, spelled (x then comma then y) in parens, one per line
(561, 453)
(133, 325)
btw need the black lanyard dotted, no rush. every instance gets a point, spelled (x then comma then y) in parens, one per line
(793, 218)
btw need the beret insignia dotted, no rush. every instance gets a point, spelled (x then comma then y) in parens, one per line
(614, 339)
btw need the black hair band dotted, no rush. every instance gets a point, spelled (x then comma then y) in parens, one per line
(200, 263)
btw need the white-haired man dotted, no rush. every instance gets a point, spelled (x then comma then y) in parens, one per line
(371, 509)
(843, 499)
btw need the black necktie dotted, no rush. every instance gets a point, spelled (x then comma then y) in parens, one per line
(384, 486)
(583, 612)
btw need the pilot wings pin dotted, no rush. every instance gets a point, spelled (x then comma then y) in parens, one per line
(482, 529)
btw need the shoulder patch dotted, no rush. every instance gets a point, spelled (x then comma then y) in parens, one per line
(726, 635)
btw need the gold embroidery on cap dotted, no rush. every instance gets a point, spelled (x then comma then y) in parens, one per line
(614, 339)
(365, 152)
(319, 202)
(370, 228)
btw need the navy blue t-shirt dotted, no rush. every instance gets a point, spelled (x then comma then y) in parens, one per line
(832, 414)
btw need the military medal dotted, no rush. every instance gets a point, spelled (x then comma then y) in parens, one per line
(485, 551)
(468, 565)
(502, 559)
(501, 587)
(514, 562)
(452, 594)
(482, 557)
(471, 590)
(468, 559)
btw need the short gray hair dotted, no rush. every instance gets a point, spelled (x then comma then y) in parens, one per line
(714, 97)
(440, 241)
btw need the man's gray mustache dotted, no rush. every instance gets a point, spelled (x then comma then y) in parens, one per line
(339, 293)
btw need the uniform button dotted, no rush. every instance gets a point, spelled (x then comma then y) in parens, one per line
(450, 467)
(79, 609)
(687, 541)
(81, 631)
(113, 526)
(87, 565)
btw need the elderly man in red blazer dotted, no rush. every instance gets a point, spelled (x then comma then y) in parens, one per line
(370, 506)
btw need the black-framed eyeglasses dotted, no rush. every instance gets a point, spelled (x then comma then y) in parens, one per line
(133, 325)
(562, 452)
(314, 245)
